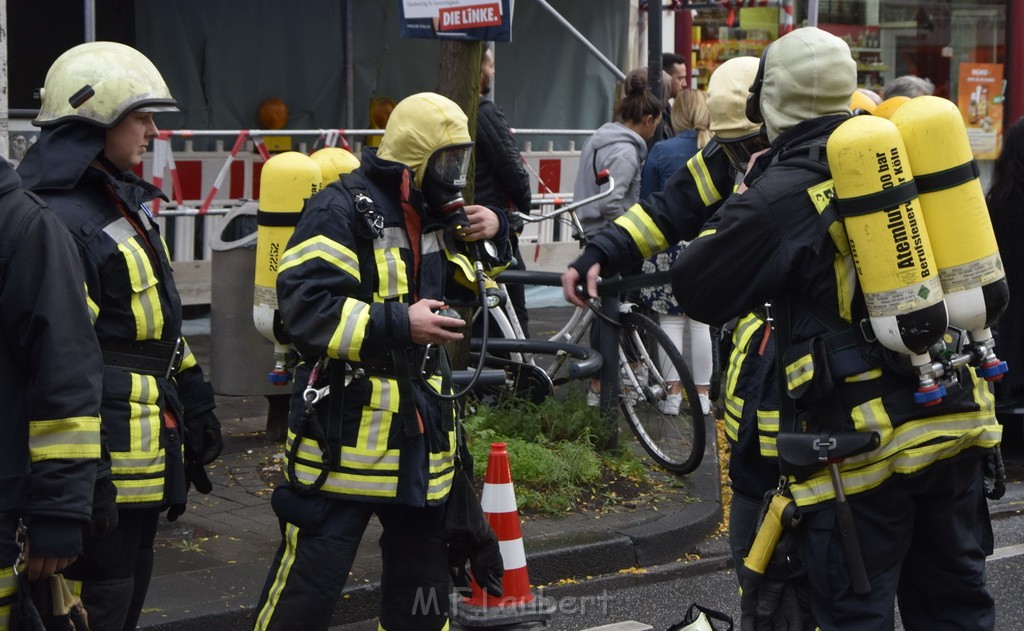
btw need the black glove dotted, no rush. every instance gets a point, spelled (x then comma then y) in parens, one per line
(485, 563)
(195, 475)
(994, 474)
(175, 511)
(203, 441)
(104, 508)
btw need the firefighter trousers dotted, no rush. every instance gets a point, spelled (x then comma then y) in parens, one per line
(320, 539)
(924, 540)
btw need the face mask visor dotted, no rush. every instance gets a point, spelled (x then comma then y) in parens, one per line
(739, 150)
(445, 176)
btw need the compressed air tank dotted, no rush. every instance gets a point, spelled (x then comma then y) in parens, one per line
(888, 236)
(288, 179)
(333, 162)
(954, 209)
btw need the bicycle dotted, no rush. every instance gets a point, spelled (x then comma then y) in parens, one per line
(649, 363)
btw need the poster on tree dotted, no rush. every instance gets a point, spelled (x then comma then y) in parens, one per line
(477, 20)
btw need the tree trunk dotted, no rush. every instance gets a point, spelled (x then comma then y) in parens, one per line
(460, 82)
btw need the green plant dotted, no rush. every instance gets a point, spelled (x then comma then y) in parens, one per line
(557, 452)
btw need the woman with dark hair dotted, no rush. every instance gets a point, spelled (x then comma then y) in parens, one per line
(621, 148)
(1005, 205)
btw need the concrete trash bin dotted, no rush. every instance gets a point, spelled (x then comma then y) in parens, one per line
(240, 358)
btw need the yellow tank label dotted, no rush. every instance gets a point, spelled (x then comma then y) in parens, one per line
(973, 274)
(270, 246)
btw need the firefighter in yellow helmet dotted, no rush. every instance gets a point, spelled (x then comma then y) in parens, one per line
(359, 286)
(915, 495)
(747, 351)
(97, 120)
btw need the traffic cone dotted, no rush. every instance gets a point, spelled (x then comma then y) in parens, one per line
(518, 603)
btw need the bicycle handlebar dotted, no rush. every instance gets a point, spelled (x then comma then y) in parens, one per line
(590, 361)
(602, 178)
(520, 277)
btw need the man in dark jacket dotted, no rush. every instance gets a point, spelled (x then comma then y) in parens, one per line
(360, 288)
(502, 182)
(97, 121)
(917, 498)
(50, 390)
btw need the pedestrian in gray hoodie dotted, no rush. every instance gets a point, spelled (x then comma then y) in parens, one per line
(620, 147)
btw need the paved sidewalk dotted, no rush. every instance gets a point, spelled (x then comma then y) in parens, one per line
(212, 562)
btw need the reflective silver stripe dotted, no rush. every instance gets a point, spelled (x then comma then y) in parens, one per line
(120, 230)
(370, 461)
(126, 462)
(441, 462)
(871, 416)
(321, 247)
(378, 486)
(392, 238)
(147, 490)
(858, 479)
(373, 435)
(77, 437)
(439, 487)
(799, 372)
(347, 340)
(432, 242)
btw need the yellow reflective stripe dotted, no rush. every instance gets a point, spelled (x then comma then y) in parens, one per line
(320, 247)
(145, 299)
(706, 233)
(906, 461)
(138, 491)
(375, 421)
(74, 437)
(144, 415)
(872, 417)
(732, 426)
(351, 457)
(642, 229)
(767, 431)
(347, 340)
(188, 359)
(134, 463)
(440, 487)
(747, 326)
(867, 375)
(350, 483)
(799, 372)
(8, 588)
(94, 309)
(702, 178)
(291, 540)
(391, 273)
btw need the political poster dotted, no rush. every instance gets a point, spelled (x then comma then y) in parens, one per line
(476, 20)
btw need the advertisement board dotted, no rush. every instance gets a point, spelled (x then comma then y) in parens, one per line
(480, 20)
(981, 103)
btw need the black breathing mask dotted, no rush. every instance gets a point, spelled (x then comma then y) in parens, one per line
(444, 178)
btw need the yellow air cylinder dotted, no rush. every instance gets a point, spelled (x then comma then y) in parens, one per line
(888, 107)
(333, 162)
(287, 181)
(888, 237)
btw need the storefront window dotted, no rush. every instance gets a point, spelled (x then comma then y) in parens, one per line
(959, 46)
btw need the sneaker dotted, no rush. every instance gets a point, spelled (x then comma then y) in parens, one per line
(593, 399)
(705, 404)
(671, 404)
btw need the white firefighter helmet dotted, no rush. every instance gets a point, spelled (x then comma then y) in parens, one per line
(728, 88)
(100, 82)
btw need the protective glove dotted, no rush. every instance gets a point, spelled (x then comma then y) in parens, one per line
(195, 475)
(203, 440)
(175, 511)
(994, 474)
(485, 563)
(104, 508)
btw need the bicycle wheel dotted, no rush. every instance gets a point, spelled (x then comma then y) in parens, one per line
(671, 431)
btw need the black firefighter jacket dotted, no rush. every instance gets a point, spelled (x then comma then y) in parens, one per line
(134, 299)
(49, 381)
(344, 293)
(772, 243)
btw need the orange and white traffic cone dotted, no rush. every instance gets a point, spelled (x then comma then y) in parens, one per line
(518, 603)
